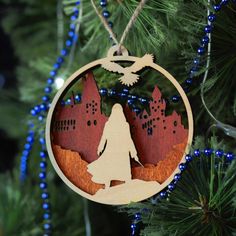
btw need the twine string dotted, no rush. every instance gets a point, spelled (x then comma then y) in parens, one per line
(128, 26)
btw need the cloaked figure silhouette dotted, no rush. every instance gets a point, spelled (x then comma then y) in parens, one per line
(115, 149)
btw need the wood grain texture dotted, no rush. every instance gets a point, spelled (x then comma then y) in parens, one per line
(79, 127)
(125, 190)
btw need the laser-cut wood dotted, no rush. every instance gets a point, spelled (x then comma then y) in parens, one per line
(133, 190)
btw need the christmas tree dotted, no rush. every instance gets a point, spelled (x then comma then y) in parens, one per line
(44, 42)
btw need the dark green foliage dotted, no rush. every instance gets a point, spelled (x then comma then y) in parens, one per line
(204, 201)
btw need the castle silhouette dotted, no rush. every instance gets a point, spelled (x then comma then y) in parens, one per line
(79, 126)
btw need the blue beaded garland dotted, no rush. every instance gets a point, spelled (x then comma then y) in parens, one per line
(182, 166)
(207, 151)
(212, 17)
(219, 153)
(44, 195)
(103, 3)
(46, 216)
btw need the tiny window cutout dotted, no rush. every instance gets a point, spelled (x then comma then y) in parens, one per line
(174, 131)
(155, 101)
(158, 107)
(158, 118)
(164, 121)
(143, 126)
(67, 127)
(88, 122)
(68, 122)
(152, 107)
(87, 105)
(95, 122)
(64, 128)
(74, 122)
(159, 100)
(96, 104)
(61, 122)
(155, 110)
(149, 131)
(93, 101)
(175, 123)
(164, 127)
(73, 127)
(87, 111)
(64, 122)
(154, 126)
(145, 116)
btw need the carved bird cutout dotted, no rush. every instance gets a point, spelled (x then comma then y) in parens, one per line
(129, 77)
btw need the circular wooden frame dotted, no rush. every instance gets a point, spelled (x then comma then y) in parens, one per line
(141, 195)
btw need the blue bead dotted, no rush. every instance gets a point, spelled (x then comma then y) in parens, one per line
(56, 66)
(60, 60)
(205, 39)
(43, 164)
(193, 70)
(208, 29)
(188, 158)
(130, 102)
(103, 91)
(123, 95)
(44, 195)
(43, 107)
(27, 146)
(171, 186)
(47, 226)
(196, 61)
(175, 98)
(46, 206)
(133, 226)
(50, 81)
(163, 194)
(42, 175)
(112, 92)
(72, 26)
(212, 17)
(110, 24)
(43, 185)
(53, 73)
(42, 140)
(188, 81)
(143, 100)
(217, 7)
(219, 153)
(136, 110)
(77, 3)
(197, 153)
(133, 97)
(46, 216)
(182, 166)
(103, 3)
(25, 153)
(224, 2)
(201, 50)
(78, 98)
(64, 52)
(42, 154)
(68, 43)
(45, 98)
(40, 118)
(125, 91)
(30, 139)
(71, 34)
(106, 14)
(33, 112)
(230, 156)
(48, 90)
(73, 18)
(37, 108)
(208, 151)
(137, 216)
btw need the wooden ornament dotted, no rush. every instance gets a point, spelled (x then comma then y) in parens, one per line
(123, 157)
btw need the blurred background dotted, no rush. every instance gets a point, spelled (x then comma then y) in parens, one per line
(34, 35)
